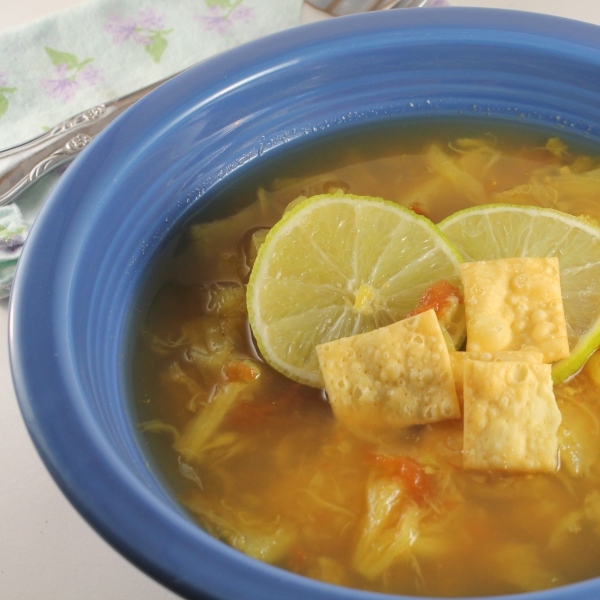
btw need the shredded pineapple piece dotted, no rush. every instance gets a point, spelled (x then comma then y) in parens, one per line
(161, 346)
(210, 364)
(210, 347)
(463, 182)
(556, 147)
(258, 239)
(534, 193)
(423, 195)
(569, 189)
(391, 528)
(205, 331)
(199, 431)
(227, 301)
(469, 144)
(578, 436)
(158, 426)
(263, 540)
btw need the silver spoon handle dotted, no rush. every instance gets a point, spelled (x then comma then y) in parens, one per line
(339, 8)
(22, 165)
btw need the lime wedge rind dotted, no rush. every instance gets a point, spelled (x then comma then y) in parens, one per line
(567, 367)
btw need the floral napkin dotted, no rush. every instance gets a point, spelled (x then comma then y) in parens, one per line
(103, 49)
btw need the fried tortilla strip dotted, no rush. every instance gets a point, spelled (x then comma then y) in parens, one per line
(392, 377)
(515, 304)
(511, 418)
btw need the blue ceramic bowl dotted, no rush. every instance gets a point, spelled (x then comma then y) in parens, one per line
(77, 293)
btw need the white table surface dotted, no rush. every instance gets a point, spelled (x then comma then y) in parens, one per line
(47, 551)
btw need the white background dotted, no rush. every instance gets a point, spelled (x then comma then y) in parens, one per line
(47, 551)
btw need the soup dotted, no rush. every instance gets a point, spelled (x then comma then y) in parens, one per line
(260, 462)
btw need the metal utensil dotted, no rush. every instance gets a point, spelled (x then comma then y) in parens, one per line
(339, 8)
(24, 164)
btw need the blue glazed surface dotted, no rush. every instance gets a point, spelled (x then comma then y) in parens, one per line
(76, 296)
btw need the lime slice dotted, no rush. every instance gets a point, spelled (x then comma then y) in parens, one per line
(507, 231)
(338, 265)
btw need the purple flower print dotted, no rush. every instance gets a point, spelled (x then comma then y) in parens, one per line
(61, 86)
(3, 78)
(69, 74)
(91, 75)
(13, 233)
(120, 28)
(222, 13)
(215, 21)
(148, 19)
(245, 14)
(10, 242)
(146, 29)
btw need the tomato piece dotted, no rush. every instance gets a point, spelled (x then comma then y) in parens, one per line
(418, 210)
(407, 471)
(437, 297)
(238, 371)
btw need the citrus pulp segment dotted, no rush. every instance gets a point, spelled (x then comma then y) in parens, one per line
(506, 231)
(338, 265)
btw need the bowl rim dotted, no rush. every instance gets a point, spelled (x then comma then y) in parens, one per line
(31, 293)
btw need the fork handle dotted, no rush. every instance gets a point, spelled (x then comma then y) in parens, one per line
(22, 165)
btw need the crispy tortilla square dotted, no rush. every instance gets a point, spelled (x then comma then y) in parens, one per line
(457, 360)
(511, 418)
(392, 377)
(515, 304)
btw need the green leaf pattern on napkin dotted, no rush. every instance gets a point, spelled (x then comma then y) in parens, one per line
(65, 58)
(69, 74)
(3, 91)
(147, 29)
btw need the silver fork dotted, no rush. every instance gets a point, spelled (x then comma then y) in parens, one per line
(24, 164)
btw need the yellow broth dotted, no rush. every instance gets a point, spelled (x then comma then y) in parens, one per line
(260, 462)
